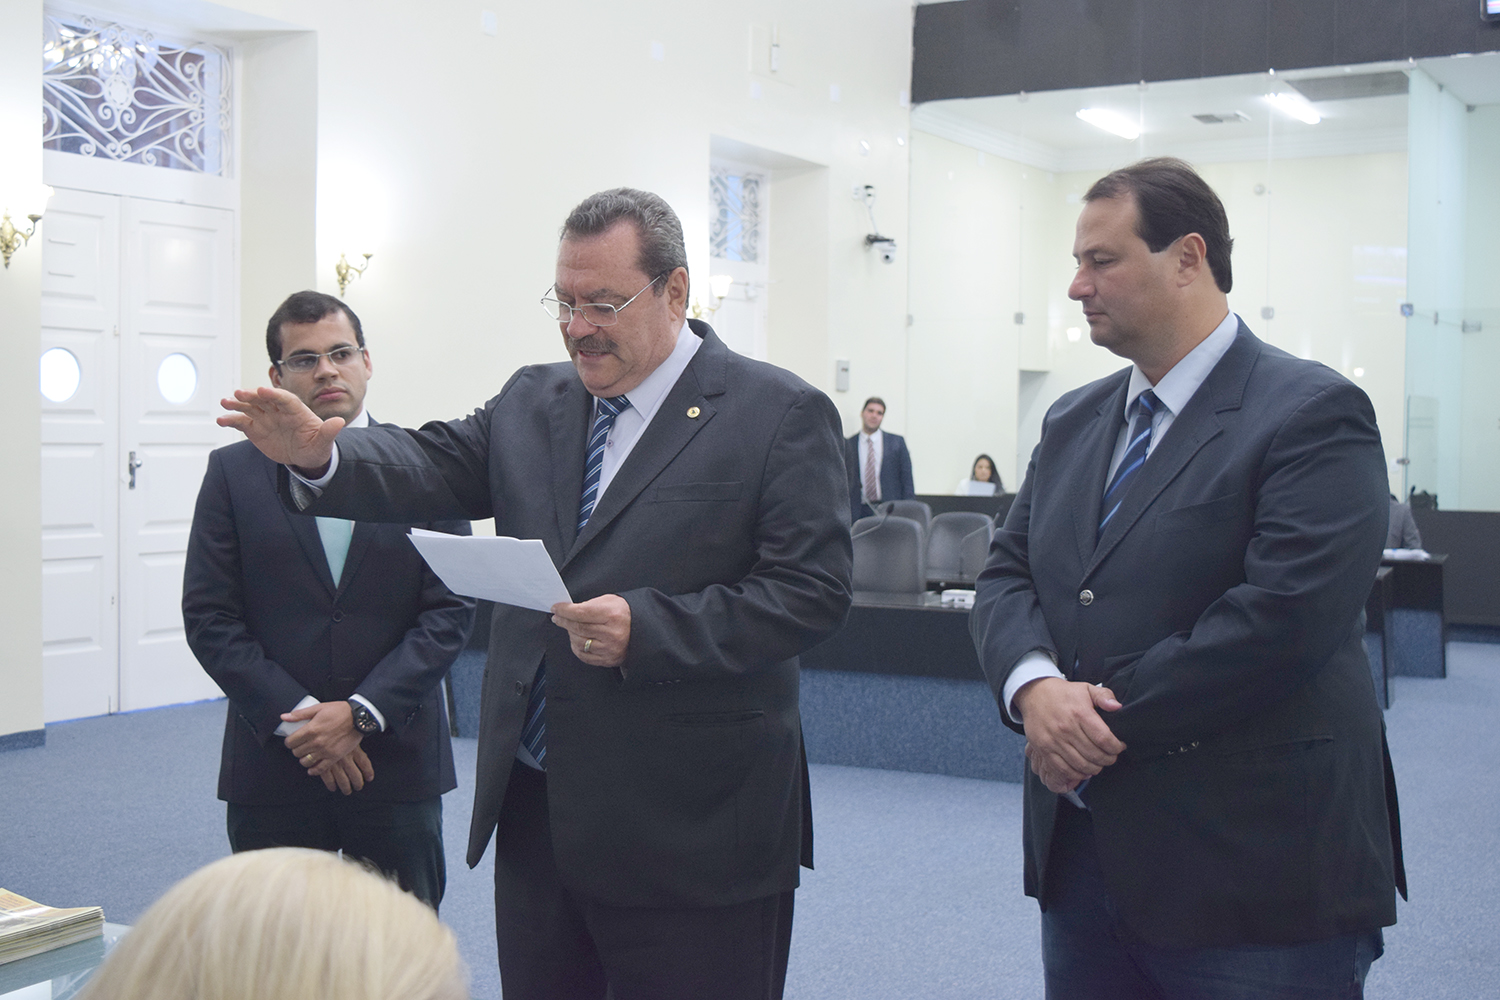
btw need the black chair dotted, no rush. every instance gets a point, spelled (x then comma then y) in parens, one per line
(945, 540)
(1422, 501)
(888, 553)
(916, 510)
(973, 553)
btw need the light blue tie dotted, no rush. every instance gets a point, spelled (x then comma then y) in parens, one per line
(1133, 459)
(335, 533)
(534, 732)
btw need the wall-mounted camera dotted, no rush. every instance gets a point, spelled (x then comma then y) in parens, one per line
(883, 245)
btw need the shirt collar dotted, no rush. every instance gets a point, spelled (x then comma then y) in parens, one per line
(647, 396)
(360, 419)
(1178, 385)
(872, 436)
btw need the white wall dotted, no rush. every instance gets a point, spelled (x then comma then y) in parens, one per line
(1324, 245)
(20, 330)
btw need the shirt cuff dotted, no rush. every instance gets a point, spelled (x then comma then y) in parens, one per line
(304, 490)
(288, 728)
(371, 706)
(1033, 666)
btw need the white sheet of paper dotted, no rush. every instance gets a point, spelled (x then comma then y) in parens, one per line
(514, 571)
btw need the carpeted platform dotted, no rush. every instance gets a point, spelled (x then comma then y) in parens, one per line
(918, 888)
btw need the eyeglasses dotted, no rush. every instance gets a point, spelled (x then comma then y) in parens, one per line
(593, 313)
(343, 357)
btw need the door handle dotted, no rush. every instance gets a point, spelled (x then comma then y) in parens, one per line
(132, 465)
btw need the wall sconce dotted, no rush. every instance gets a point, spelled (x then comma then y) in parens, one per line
(718, 287)
(13, 239)
(347, 272)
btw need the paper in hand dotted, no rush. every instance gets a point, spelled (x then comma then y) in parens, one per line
(504, 570)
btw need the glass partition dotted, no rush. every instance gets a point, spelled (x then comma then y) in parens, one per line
(1339, 233)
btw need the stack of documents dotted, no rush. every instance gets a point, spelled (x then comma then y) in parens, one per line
(503, 570)
(28, 928)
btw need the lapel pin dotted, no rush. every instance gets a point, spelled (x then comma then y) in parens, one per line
(693, 412)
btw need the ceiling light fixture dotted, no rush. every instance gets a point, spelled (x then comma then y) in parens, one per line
(1295, 105)
(1110, 121)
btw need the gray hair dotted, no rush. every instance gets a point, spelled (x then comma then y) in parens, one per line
(660, 231)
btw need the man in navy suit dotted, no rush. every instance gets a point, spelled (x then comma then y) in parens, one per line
(641, 768)
(330, 638)
(1172, 616)
(877, 463)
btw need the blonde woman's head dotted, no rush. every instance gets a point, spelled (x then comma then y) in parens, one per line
(287, 923)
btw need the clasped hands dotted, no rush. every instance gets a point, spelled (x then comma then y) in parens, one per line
(1066, 739)
(328, 746)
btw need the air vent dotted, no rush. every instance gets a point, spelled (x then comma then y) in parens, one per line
(1348, 86)
(1220, 117)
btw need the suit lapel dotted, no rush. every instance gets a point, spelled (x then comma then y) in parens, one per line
(306, 531)
(1195, 426)
(568, 418)
(667, 434)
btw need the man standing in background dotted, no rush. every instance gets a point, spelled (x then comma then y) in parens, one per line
(877, 462)
(1172, 615)
(330, 638)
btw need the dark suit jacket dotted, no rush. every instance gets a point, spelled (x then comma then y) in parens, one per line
(1255, 802)
(679, 779)
(270, 626)
(895, 473)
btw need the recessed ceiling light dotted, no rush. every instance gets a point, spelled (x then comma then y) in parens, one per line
(1110, 121)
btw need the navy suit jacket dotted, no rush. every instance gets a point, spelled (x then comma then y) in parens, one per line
(678, 779)
(1223, 607)
(895, 473)
(270, 625)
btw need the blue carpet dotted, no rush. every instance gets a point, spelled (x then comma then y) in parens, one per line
(918, 888)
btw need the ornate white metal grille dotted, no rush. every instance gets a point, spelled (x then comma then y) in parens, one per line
(734, 232)
(122, 93)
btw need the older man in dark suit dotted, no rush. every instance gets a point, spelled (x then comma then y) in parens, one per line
(641, 765)
(330, 638)
(1172, 616)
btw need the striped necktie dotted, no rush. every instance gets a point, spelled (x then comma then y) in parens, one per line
(534, 732)
(872, 482)
(1133, 459)
(604, 422)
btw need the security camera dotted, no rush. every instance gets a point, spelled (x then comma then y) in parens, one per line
(884, 245)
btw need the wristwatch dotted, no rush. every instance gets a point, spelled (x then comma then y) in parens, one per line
(364, 719)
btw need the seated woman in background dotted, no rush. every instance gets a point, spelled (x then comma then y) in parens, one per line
(983, 480)
(284, 924)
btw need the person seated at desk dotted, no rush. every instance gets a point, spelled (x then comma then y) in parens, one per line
(1403, 533)
(983, 481)
(289, 923)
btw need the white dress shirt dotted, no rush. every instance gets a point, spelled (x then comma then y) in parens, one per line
(645, 400)
(1174, 391)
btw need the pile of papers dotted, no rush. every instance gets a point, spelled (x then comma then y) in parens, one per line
(28, 928)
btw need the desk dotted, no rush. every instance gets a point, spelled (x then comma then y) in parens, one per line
(1418, 629)
(899, 688)
(64, 970)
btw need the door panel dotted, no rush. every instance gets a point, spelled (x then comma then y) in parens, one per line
(177, 299)
(80, 517)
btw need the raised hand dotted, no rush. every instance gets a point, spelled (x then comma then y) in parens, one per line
(283, 428)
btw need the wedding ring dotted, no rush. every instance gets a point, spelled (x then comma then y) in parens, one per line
(309, 760)
(588, 644)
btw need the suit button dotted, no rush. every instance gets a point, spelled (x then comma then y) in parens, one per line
(338, 616)
(1086, 597)
(520, 687)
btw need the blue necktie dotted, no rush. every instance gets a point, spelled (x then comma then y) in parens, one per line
(534, 733)
(1134, 458)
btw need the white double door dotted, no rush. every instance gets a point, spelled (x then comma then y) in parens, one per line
(141, 295)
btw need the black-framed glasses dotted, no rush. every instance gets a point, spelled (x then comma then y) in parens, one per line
(342, 357)
(593, 313)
